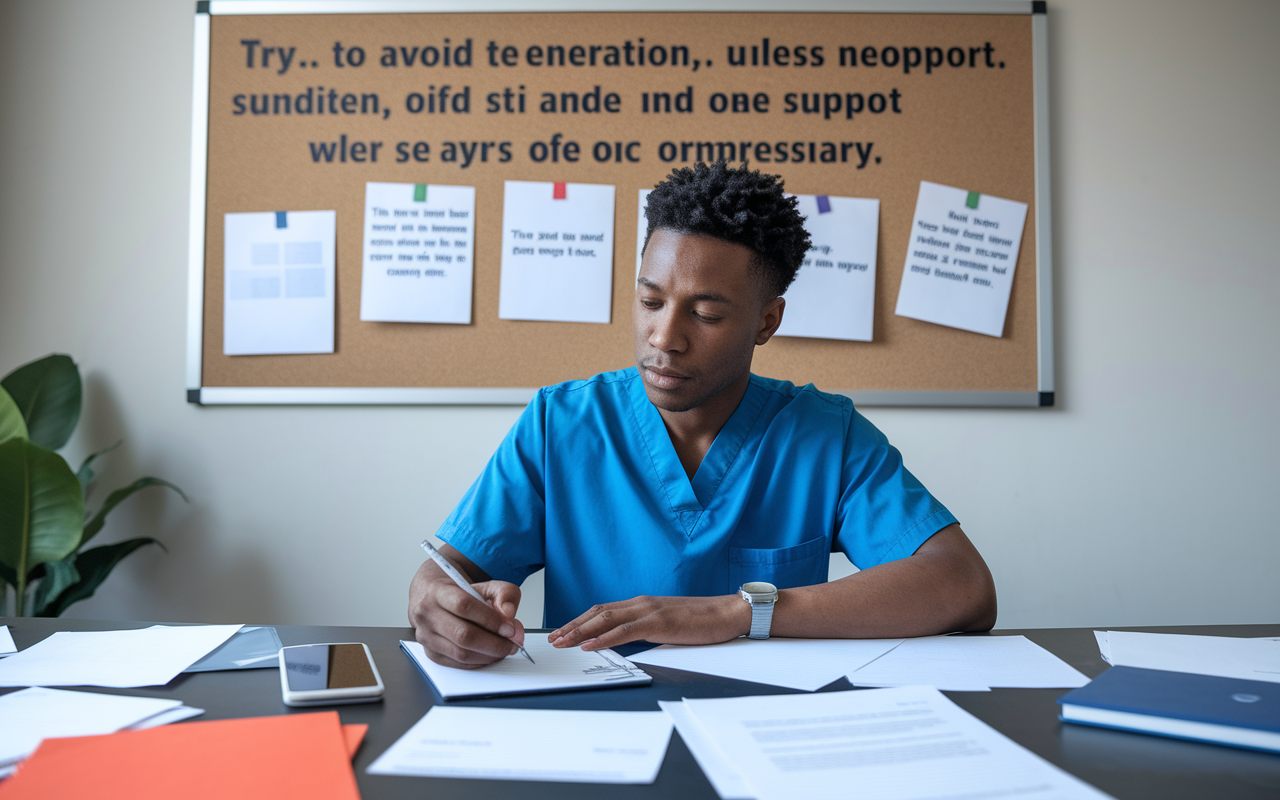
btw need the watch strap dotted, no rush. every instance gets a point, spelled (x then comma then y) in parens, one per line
(761, 620)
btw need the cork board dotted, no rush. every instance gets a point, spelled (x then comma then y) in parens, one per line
(969, 125)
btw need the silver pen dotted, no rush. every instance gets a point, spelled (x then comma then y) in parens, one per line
(452, 571)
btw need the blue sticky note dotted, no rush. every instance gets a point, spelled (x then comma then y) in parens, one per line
(824, 205)
(281, 221)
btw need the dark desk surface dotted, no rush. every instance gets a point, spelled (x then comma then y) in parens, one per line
(1125, 765)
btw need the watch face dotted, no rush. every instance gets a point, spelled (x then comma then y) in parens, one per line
(759, 587)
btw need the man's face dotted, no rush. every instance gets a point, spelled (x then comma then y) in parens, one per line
(698, 317)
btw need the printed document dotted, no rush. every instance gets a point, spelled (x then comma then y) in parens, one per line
(419, 246)
(960, 260)
(1224, 656)
(557, 252)
(120, 659)
(805, 664)
(970, 664)
(715, 764)
(531, 745)
(834, 294)
(278, 282)
(892, 744)
(552, 670)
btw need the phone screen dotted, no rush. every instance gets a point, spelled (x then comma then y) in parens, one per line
(327, 666)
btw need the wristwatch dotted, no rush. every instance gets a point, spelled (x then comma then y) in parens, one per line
(760, 596)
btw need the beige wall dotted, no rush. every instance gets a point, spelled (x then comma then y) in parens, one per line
(1143, 498)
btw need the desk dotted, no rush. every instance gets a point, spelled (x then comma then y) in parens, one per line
(1128, 766)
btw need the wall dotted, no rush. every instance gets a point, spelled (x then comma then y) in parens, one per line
(1140, 499)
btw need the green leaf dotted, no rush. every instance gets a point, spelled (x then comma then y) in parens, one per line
(58, 577)
(114, 499)
(11, 422)
(41, 509)
(86, 474)
(94, 566)
(47, 392)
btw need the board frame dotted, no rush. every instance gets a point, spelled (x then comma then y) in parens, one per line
(254, 395)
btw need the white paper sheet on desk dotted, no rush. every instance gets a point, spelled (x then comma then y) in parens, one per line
(552, 670)
(805, 664)
(715, 764)
(7, 647)
(970, 664)
(891, 744)
(120, 659)
(31, 715)
(531, 745)
(1224, 656)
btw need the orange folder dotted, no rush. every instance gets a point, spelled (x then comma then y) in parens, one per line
(295, 755)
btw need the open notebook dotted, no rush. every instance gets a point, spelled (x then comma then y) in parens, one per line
(553, 671)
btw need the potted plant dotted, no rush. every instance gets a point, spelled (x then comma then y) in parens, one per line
(44, 526)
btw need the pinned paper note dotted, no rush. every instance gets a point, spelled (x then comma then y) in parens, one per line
(642, 227)
(278, 282)
(557, 252)
(834, 293)
(960, 261)
(419, 242)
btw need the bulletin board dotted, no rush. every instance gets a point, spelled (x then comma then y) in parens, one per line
(961, 93)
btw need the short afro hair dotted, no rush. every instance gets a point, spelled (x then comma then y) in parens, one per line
(737, 205)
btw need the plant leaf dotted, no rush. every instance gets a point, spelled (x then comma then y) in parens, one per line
(11, 422)
(48, 393)
(94, 565)
(86, 474)
(58, 577)
(41, 509)
(114, 499)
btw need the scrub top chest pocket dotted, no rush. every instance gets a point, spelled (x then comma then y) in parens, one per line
(803, 564)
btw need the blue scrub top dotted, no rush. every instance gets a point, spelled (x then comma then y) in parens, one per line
(588, 485)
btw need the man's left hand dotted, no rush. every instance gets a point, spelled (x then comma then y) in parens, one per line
(661, 620)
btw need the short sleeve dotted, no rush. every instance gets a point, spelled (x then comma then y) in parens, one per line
(500, 524)
(884, 512)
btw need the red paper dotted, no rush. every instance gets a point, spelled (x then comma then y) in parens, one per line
(295, 755)
(559, 192)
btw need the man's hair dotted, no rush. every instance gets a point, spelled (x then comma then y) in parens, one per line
(737, 205)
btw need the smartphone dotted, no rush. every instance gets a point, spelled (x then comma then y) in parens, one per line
(329, 674)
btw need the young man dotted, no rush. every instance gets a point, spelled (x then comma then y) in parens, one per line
(654, 494)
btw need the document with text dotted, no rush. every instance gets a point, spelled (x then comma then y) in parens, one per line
(961, 258)
(278, 282)
(907, 743)
(557, 252)
(419, 246)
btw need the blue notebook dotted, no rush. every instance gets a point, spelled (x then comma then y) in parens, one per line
(1203, 708)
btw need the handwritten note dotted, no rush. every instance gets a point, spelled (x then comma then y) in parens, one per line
(960, 261)
(278, 282)
(834, 293)
(419, 243)
(557, 252)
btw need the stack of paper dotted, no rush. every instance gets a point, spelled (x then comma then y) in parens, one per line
(805, 664)
(531, 745)
(296, 755)
(7, 646)
(31, 715)
(1224, 656)
(895, 744)
(970, 664)
(119, 659)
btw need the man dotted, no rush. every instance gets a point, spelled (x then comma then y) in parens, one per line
(652, 494)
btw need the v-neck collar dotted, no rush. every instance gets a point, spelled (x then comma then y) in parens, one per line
(689, 499)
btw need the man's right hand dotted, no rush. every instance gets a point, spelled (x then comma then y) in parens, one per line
(456, 629)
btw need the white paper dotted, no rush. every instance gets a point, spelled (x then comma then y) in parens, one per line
(642, 227)
(1104, 645)
(1224, 656)
(557, 255)
(715, 764)
(970, 664)
(278, 283)
(890, 744)
(166, 717)
(960, 260)
(6, 641)
(120, 659)
(805, 664)
(834, 294)
(418, 254)
(31, 715)
(552, 669)
(531, 745)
